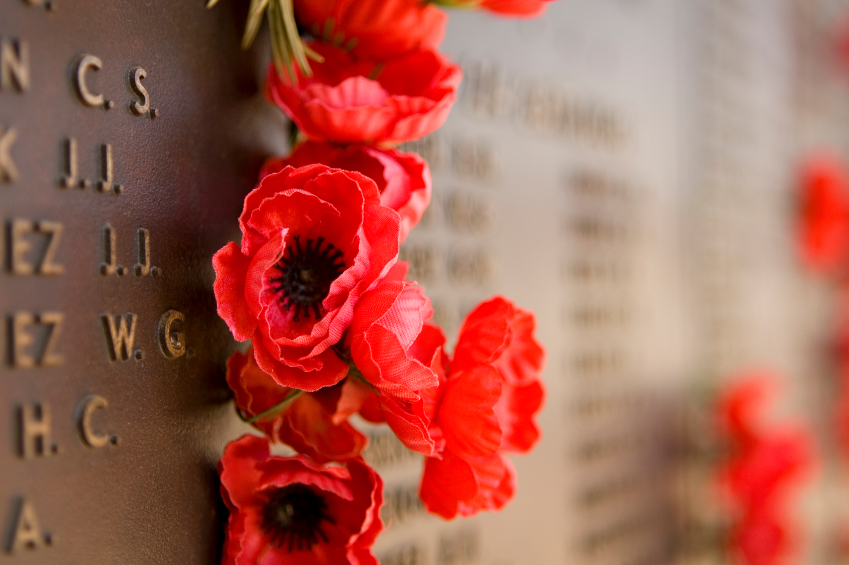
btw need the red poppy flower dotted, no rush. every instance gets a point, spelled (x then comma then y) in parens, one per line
(762, 474)
(314, 424)
(400, 353)
(376, 29)
(314, 239)
(824, 222)
(389, 341)
(766, 463)
(403, 179)
(761, 538)
(411, 419)
(484, 407)
(293, 510)
(742, 404)
(515, 8)
(352, 101)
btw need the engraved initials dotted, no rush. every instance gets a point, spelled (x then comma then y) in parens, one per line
(8, 170)
(27, 533)
(86, 63)
(19, 245)
(85, 411)
(171, 342)
(120, 339)
(136, 75)
(14, 65)
(36, 427)
(21, 326)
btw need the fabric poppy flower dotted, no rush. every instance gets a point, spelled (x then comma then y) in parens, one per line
(314, 239)
(388, 339)
(313, 424)
(294, 510)
(824, 222)
(374, 29)
(484, 408)
(366, 101)
(400, 354)
(403, 179)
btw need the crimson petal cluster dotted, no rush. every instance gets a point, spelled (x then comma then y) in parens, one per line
(335, 327)
(767, 463)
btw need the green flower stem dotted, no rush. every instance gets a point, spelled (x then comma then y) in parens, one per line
(286, 43)
(274, 410)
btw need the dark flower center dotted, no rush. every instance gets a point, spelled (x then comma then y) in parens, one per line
(293, 516)
(306, 276)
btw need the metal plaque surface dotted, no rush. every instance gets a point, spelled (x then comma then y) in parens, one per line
(130, 134)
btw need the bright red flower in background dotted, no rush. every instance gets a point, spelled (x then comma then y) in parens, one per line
(373, 29)
(352, 101)
(741, 407)
(293, 510)
(766, 464)
(403, 179)
(485, 407)
(314, 239)
(314, 424)
(824, 221)
(762, 538)
(762, 474)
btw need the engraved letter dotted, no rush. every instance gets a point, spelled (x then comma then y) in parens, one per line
(120, 339)
(27, 533)
(110, 254)
(105, 184)
(69, 179)
(53, 321)
(35, 431)
(8, 170)
(14, 65)
(85, 63)
(136, 74)
(18, 247)
(84, 415)
(171, 342)
(54, 232)
(21, 340)
(143, 266)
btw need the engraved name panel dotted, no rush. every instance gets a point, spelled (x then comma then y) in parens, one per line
(114, 408)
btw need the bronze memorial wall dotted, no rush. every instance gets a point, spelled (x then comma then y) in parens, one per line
(620, 167)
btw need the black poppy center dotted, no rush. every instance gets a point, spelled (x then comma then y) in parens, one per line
(306, 275)
(293, 517)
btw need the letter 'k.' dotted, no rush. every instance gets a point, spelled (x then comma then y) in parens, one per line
(8, 171)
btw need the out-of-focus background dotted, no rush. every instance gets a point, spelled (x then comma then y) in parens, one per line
(634, 172)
